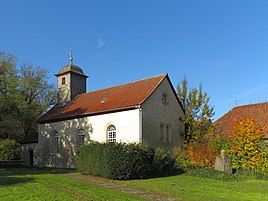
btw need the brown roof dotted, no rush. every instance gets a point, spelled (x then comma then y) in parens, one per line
(117, 98)
(257, 112)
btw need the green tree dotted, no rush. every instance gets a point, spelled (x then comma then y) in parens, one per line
(24, 95)
(198, 111)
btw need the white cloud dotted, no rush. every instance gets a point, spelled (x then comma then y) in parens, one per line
(101, 43)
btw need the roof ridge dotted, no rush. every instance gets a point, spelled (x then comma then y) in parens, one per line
(252, 104)
(164, 75)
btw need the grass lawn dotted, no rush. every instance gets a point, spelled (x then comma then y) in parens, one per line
(39, 184)
(193, 188)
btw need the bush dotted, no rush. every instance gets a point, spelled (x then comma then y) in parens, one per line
(116, 160)
(247, 147)
(240, 175)
(182, 160)
(243, 174)
(164, 163)
(211, 174)
(9, 150)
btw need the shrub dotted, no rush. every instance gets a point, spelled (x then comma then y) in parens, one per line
(182, 159)
(9, 150)
(240, 174)
(243, 174)
(164, 163)
(116, 160)
(202, 155)
(247, 147)
(211, 174)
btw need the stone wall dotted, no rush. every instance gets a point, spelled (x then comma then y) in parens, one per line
(161, 114)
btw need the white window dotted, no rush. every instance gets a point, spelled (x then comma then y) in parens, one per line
(111, 133)
(80, 138)
(55, 142)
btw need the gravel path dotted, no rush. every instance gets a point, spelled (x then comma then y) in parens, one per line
(122, 188)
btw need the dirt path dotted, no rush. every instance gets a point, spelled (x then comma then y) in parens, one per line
(122, 188)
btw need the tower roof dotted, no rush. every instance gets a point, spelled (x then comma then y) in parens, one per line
(71, 68)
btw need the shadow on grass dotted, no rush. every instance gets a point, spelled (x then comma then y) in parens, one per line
(9, 181)
(23, 171)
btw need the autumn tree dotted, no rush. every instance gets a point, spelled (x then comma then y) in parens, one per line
(247, 147)
(198, 111)
(24, 95)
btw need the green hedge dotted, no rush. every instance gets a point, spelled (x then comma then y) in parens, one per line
(9, 150)
(211, 174)
(164, 163)
(239, 175)
(116, 160)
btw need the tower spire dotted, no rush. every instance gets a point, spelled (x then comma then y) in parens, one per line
(71, 57)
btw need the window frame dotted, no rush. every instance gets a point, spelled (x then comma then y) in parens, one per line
(63, 81)
(80, 138)
(111, 133)
(55, 142)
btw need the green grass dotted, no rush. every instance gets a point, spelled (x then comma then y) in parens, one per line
(40, 184)
(193, 188)
(36, 184)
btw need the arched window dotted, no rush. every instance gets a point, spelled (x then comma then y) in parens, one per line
(80, 138)
(55, 142)
(111, 133)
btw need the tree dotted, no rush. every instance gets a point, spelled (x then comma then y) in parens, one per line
(24, 95)
(198, 111)
(247, 147)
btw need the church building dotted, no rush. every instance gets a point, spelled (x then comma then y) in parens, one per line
(146, 111)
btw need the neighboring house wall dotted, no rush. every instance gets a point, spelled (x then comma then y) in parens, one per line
(162, 126)
(127, 124)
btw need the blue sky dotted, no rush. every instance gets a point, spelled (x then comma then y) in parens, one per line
(222, 43)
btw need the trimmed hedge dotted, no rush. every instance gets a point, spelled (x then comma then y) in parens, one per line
(243, 174)
(240, 174)
(9, 150)
(116, 160)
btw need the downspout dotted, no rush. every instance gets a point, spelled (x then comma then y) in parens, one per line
(140, 123)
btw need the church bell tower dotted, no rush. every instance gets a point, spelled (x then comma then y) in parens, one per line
(71, 82)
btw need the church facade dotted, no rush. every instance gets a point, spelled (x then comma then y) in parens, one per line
(146, 111)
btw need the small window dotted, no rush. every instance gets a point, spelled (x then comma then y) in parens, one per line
(104, 100)
(55, 142)
(80, 138)
(167, 133)
(161, 132)
(165, 99)
(111, 133)
(63, 81)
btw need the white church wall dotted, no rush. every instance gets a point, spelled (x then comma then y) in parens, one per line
(127, 125)
(162, 126)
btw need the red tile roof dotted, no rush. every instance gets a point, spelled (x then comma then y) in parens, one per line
(122, 97)
(257, 112)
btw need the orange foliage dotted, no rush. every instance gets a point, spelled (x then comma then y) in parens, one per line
(247, 147)
(203, 155)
